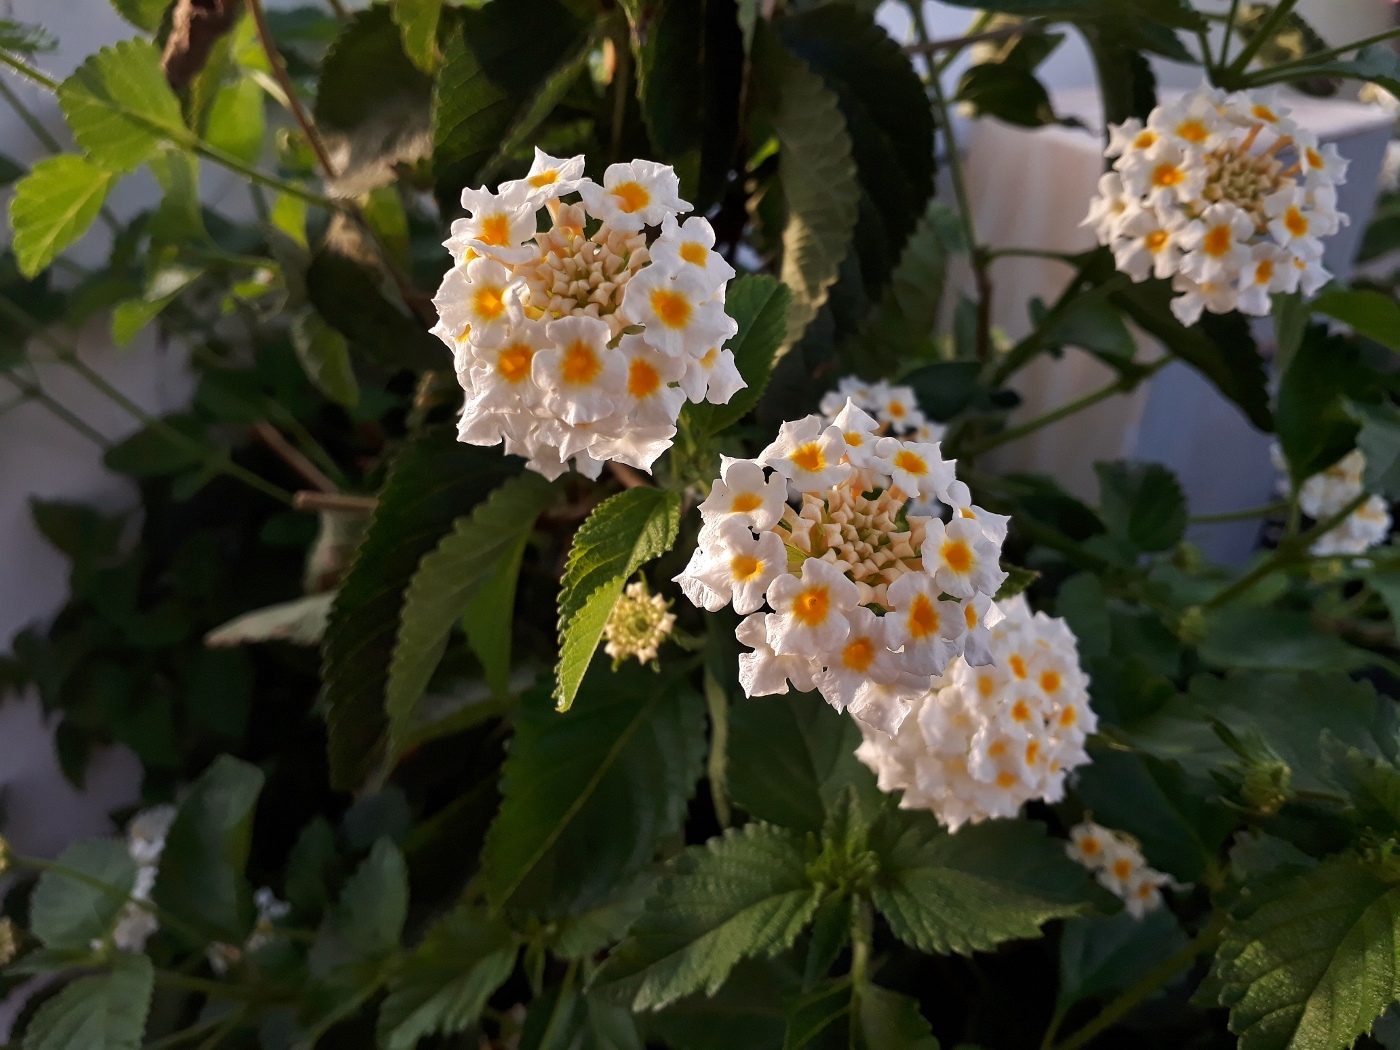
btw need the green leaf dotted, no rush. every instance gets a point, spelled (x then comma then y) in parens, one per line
(969, 892)
(491, 74)
(325, 358)
(418, 22)
(11, 171)
(1008, 92)
(903, 324)
(837, 1016)
(690, 74)
(488, 632)
(818, 175)
(151, 452)
(346, 295)
(791, 757)
(749, 1010)
(1142, 504)
(23, 38)
(590, 793)
(759, 304)
(1375, 62)
(179, 219)
(66, 913)
(372, 102)
(236, 123)
(1099, 955)
(1274, 640)
(103, 1012)
(1314, 426)
(53, 206)
(1290, 315)
(366, 923)
(441, 988)
(743, 895)
(1372, 784)
(1316, 966)
(162, 289)
(1380, 440)
(119, 106)
(201, 877)
(622, 534)
(432, 481)
(480, 546)
(143, 14)
(1097, 328)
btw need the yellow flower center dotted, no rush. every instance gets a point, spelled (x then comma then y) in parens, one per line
(488, 303)
(544, 178)
(1068, 717)
(495, 231)
(1193, 130)
(1021, 711)
(513, 363)
(1005, 779)
(1122, 867)
(986, 685)
(810, 457)
(997, 749)
(957, 555)
(1146, 138)
(711, 356)
(745, 567)
(745, 502)
(858, 654)
(1315, 159)
(1050, 681)
(896, 409)
(1264, 271)
(1168, 175)
(694, 253)
(1032, 752)
(1156, 240)
(1218, 241)
(1018, 666)
(1089, 846)
(671, 309)
(580, 365)
(1295, 222)
(970, 615)
(923, 617)
(811, 606)
(632, 195)
(643, 380)
(1264, 113)
(910, 462)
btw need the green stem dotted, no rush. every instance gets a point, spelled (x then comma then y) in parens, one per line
(192, 1032)
(1207, 59)
(1266, 32)
(1070, 299)
(216, 989)
(1118, 386)
(34, 392)
(1272, 72)
(1159, 975)
(1229, 29)
(553, 1030)
(717, 768)
(1240, 515)
(1030, 253)
(1292, 551)
(862, 934)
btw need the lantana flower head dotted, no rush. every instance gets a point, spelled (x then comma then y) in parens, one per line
(578, 347)
(984, 740)
(1119, 866)
(855, 593)
(1226, 196)
(893, 409)
(1327, 492)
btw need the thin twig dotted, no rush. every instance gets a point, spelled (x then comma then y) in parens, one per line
(630, 477)
(953, 43)
(293, 456)
(34, 392)
(341, 501)
(284, 80)
(1240, 515)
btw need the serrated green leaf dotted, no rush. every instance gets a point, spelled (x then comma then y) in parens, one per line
(201, 878)
(1313, 425)
(1371, 783)
(1099, 955)
(66, 913)
(143, 14)
(418, 22)
(120, 107)
(346, 295)
(367, 922)
(434, 480)
(441, 988)
(743, 895)
(589, 794)
(236, 123)
(749, 1010)
(180, 218)
(970, 891)
(103, 1012)
(1316, 966)
(759, 304)
(1274, 640)
(162, 288)
(325, 358)
(621, 535)
(1377, 63)
(151, 452)
(491, 74)
(487, 542)
(1380, 440)
(53, 206)
(24, 38)
(818, 175)
(836, 1015)
(1142, 504)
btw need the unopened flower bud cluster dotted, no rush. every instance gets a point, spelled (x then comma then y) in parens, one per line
(1328, 492)
(145, 842)
(638, 624)
(270, 911)
(581, 343)
(1119, 866)
(850, 593)
(895, 408)
(1225, 195)
(989, 738)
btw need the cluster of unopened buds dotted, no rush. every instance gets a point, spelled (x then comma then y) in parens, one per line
(1225, 195)
(895, 408)
(145, 842)
(995, 734)
(852, 594)
(639, 622)
(1119, 866)
(1328, 492)
(581, 343)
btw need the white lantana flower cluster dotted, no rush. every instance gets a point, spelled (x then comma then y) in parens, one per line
(1328, 492)
(271, 911)
(582, 346)
(1225, 195)
(145, 842)
(637, 625)
(989, 738)
(1119, 866)
(853, 594)
(895, 408)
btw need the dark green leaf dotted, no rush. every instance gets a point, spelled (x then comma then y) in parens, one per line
(434, 480)
(621, 535)
(119, 106)
(1371, 782)
(1314, 427)
(24, 38)
(1380, 440)
(66, 913)
(1009, 92)
(154, 451)
(1142, 504)
(749, 1010)
(759, 304)
(970, 891)
(590, 793)
(367, 921)
(103, 1012)
(325, 358)
(1274, 640)
(346, 294)
(746, 894)
(1102, 955)
(201, 877)
(418, 22)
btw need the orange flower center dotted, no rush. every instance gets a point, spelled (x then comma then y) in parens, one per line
(745, 502)
(488, 303)
(1146, 138)
(745, 567)
(811, 606)
(810, 457)
(1021, 711)
(858, 654)
(513, 363)
(632, 195)
(1295, 222)
(1156, 240)
(495, 231)
(580, 365)
(910, 462)
(1264, 272)
(923, 617)
(1049, 681)
(1168, 175)
(544, 178)
(1218, 241)
(671, 309)
(1122, 867)
(958, 555)
(986, 685)
(1005, 779)
(694, 253)
(1018, 666)
(1193, 131)
(643, 380)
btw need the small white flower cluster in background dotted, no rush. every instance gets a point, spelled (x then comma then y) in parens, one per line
(637, 625)
(1328, 492)
(1119, 865)
(865, 600)
(1225, 195)
(582, 346)
(895, 408)
(145, 842)
(270, 912)
(990, 738)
